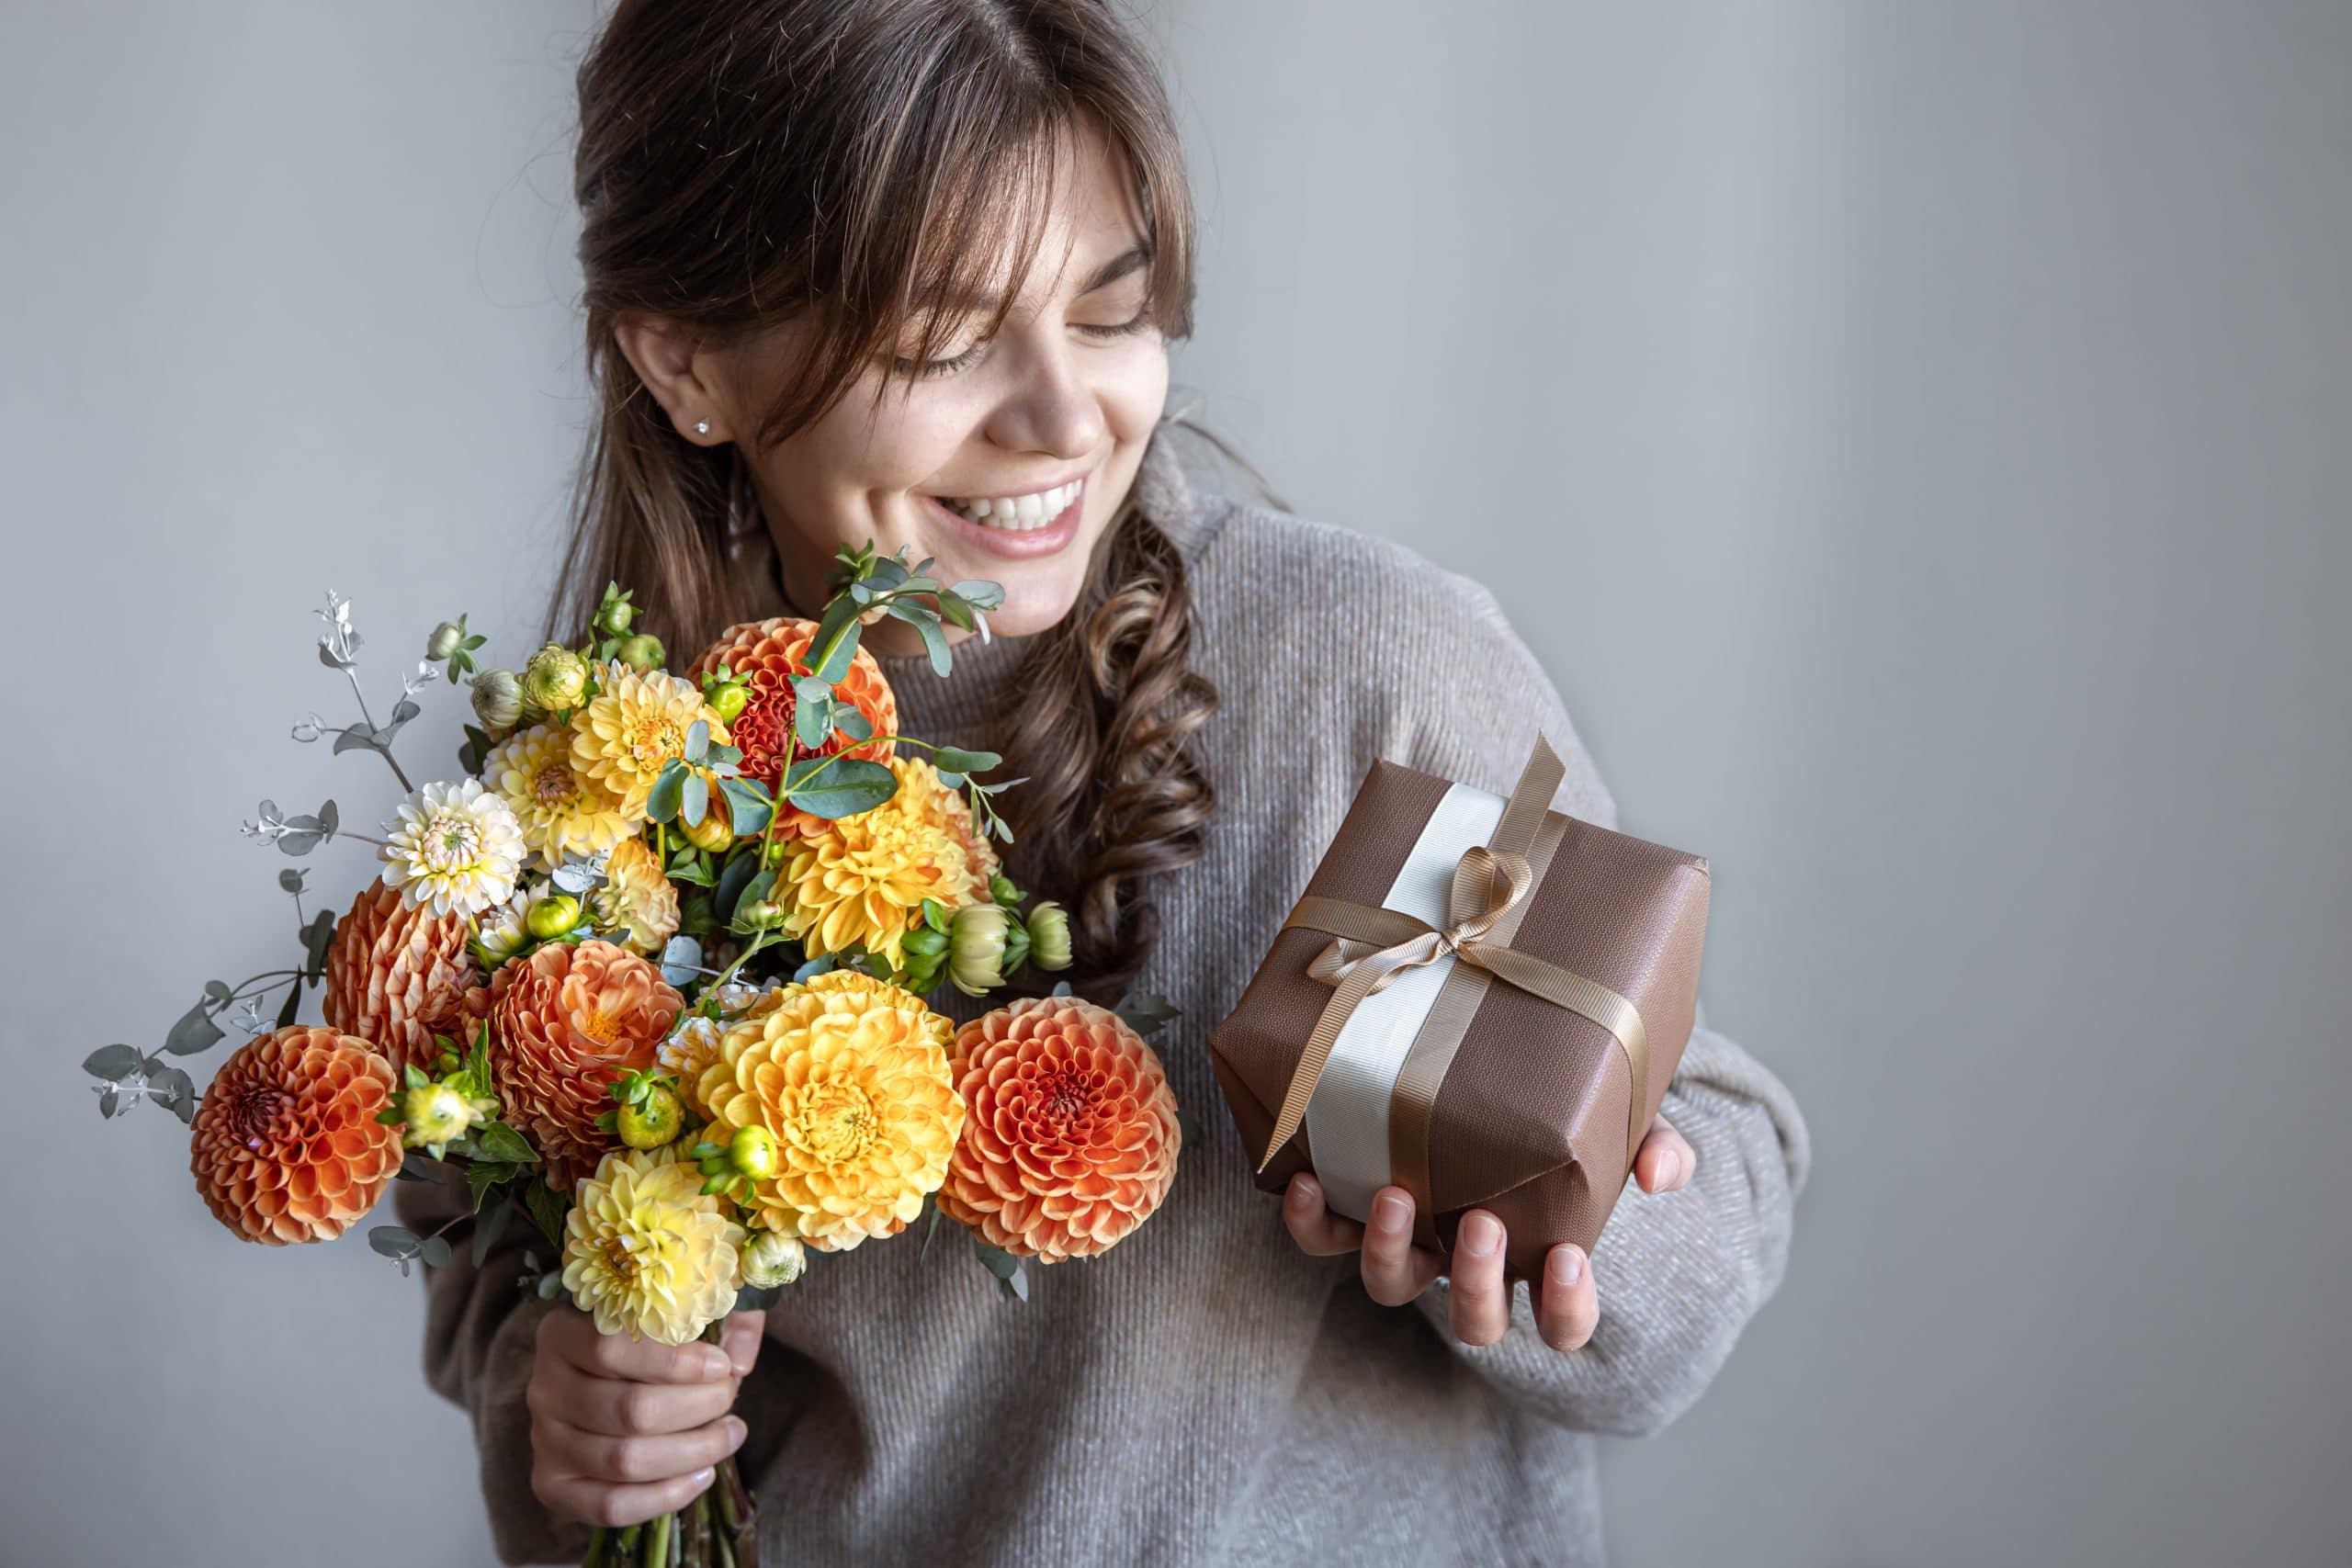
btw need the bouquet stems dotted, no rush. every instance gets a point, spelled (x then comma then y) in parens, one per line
(719, 1529)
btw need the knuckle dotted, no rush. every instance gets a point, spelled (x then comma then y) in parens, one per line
(634, 1407)
(604, 1508)
(627, 1458)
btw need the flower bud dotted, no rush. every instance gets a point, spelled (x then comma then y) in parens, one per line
(498, 700)
(1001, 890)
(1050, 936)
(773, 1259)
(652, 1121)
(555, 679)
(712, 833)
(728, 700)
(752, 1152)
(641, 653)
(432, 1114)
(552, 916)
(976, 940)
(443, 640)
(758, 914)
(615, 617)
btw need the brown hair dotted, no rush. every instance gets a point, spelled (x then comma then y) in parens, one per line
(745, 161)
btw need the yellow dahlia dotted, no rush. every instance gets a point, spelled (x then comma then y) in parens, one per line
(637, 904)
(855, 1087)
(630, 730)
(863, 878)
(455, 848)
(562, 812)
(646, 1253)
(693, 1045)
(942, 1027)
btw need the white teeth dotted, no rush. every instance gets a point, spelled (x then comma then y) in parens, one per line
(1019, 513)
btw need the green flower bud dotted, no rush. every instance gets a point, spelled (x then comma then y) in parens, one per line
(758, 914)
(498, 700)
(641, 653)
(1050, 936)
(552, 916)
(615, 617)
(976, 948)
(752, 1152)
(1002, 889)
(652, 1121)
(555, 679)
(773, 1259)
(432, 1114)
(727, 699)
(443, 640)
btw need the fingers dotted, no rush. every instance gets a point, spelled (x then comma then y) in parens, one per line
(1395, 1271)
(1568, 1308)
(573, 1336)
(741, 1339)
(1480, 1300)
(614, 1507)
(1319, 1232)
(645, 1459)
(620, 1407)
(1665, 1160)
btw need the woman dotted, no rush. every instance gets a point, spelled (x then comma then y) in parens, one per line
(872, 269)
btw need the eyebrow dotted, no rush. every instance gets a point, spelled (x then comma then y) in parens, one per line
(1132, 260)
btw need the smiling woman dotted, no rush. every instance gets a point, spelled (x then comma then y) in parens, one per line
(905, 272)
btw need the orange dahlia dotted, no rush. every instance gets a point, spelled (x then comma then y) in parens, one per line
(767, 655)
(1070, 1135)
(285, 1145)
(396, 975)
(568, 1020)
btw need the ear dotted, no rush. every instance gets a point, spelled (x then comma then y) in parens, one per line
(681, 371)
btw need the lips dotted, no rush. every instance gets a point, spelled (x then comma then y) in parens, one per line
(1008, 537)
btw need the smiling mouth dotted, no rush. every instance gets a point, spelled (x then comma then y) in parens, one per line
(1016, 513)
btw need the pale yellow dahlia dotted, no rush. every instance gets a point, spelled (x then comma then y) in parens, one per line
(943, 1028)
(454, 846)
(630, 730)
(646, 1253)
(637, 904)
(863, 878)
(693, 1045)
(562, 812)
(855, 1089)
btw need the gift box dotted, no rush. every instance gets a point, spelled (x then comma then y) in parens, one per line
(1477, 997)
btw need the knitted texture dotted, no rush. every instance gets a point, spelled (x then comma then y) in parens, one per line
(1205, 1394)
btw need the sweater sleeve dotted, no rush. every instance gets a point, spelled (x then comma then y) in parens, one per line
(481, 1334)
(1679, 1274)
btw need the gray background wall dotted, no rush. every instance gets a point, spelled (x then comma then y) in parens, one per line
(1914, 437)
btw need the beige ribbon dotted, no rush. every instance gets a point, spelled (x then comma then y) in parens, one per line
(1374, 944)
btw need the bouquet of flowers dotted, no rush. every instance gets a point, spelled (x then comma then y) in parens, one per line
(651, 975)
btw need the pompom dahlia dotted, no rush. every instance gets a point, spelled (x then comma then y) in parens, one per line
(942, 1027)
(1070, 1136)
(646, 1253)
(563, 812)
(636, 903)
(767, 655)
(693, 1045)
(567, 1022)
(854, 1086)
(863, 878)
(286, 1146)
(629, 731)
(454, 846)
(395, 976)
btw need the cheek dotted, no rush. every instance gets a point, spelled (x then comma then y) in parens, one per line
(1133, 388)
(836, 475)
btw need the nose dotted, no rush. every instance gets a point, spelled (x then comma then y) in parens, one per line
(1049, 407)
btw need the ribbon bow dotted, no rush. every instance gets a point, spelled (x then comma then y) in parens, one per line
(1373, 944)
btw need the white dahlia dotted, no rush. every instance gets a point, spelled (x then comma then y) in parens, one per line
(455, 847)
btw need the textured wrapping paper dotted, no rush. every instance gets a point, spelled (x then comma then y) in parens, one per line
(1466, 1088)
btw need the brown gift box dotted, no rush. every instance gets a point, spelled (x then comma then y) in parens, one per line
(1469, 1089)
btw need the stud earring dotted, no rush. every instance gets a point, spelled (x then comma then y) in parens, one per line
(702, 427)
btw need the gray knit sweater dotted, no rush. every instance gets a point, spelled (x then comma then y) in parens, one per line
(1205, 1394)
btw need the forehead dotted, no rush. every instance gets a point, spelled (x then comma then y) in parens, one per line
(1074, 207)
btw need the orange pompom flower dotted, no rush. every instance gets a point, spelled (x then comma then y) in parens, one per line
(766, 655)
(567, 1022)
(395, 976)
(286, 1146)
(1070, 1134)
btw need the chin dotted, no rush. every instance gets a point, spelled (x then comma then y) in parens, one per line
(1037, 595)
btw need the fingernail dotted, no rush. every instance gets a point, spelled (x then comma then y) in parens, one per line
(1567, 1266)
(1669, 1166)
(702, 1478)
(717, 1364)
(736, 1432)
(1303, 1190)
(1481, 1233)
(1392, 1213)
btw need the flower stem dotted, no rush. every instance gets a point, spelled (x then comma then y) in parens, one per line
(657, 1552)
(596, 1544)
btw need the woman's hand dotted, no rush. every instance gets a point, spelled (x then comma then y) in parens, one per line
(624, 1430)
(1395, 1271)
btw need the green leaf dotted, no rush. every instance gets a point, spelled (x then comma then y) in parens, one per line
(747, 807)
(500, 1142)
(697, 740)
(434, 1249)
(482, 1175)
(736, 876)
(290, 879)
(813, 710)
(1188, 1128)
(489, 1228)
(934, 640)
(195, 1031)
(750, 1300)
(696, 801)
(292, 1005)
(1146, 1012)
(317, 937)
(954, 759)
(952, 608)
(548, 1209)
(851, 722)
(841, 618)
(979, 593)
(112, 1063)
(549, 1286)
(1011, 1280)
(394, 1241)
(847, 786)
(661, 801)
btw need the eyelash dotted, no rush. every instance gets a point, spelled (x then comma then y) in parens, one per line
(931, 369)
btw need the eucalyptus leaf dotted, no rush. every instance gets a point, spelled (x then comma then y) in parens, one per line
(434, 1249)
(697, 740)
(823, 964)
(113, 1063)
(841, 619)
(110, 1104)
(696, 802)
(847, 786)
(954, 759)
(851, 722)
(979, 593)
(393, 1241)
(219, 990)
(329, 819)
(195, 1031)
(417, 1166)
(952, 608)
(681, 960)
(549, 1286)
(290, 879)
(1146, 1012)
(747, 805)
(358, 738)
(297, 843)
(291, 1007)
(748, 1299)
(1011, 1280)
(669, 788)
(317, 937)
(733, 880)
